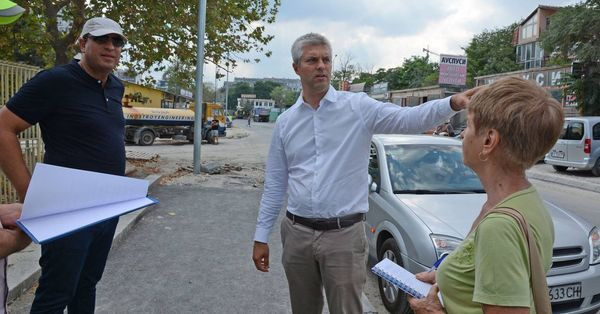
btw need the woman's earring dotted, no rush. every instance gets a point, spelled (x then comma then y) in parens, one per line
(486, 158)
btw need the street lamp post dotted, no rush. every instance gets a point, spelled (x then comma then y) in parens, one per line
(198, 94)
(333, 64)
(227, 87)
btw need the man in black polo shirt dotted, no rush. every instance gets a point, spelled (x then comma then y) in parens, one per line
(78, 107)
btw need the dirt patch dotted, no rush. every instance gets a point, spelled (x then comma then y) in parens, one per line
(143, 167)
(230, 175)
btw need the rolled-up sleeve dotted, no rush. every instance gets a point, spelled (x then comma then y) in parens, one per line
(276, 181)
(386, 118)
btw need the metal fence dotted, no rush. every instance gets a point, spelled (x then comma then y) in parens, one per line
(12, 77)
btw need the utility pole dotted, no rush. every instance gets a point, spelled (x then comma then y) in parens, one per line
(227, 87)
(198, 95)
(216, 76)
(430, 52)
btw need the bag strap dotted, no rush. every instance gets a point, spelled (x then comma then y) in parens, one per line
(539, 286)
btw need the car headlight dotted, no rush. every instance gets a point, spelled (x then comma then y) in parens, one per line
(444, 244)
(595, 246)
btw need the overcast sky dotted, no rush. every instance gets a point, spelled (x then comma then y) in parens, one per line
(381, 33)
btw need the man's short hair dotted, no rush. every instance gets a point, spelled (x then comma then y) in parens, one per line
(310, 39)
(527, 117)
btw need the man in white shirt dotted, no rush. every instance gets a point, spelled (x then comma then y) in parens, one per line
(319, 157)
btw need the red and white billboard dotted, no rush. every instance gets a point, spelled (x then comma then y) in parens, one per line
(453, 70)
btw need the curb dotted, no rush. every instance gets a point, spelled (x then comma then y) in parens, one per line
(580, 184)
(29, 274)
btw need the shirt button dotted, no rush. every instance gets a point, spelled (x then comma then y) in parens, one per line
(106, 99)
(99, 82)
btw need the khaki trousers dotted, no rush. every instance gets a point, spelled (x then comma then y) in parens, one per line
(333, 259)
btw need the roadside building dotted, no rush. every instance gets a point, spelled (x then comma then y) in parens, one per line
(526, 37)
(137, 95)
(550, 78)
(534, 60)
(250, 101)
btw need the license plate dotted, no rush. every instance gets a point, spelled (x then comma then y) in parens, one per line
(564, 293)
(557, 154)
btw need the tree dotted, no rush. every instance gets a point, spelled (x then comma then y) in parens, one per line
(177, 76)
(278, 95)
(417, 72)
(263, 89)
(236, 90)
(208, 92)
(414, 72)
(284, 97)
(491, 52)
(573, 34)
(24, 41)
(346, 71)
(156, 30)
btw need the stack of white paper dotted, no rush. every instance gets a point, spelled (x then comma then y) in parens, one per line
(62, 200)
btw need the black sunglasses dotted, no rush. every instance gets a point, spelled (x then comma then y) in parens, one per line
(117, 41)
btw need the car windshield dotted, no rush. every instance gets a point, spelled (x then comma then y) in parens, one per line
(430, 169)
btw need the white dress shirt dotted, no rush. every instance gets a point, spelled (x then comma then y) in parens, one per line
(320, 157)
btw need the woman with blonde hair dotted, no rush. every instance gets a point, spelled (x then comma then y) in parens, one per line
(511, 124)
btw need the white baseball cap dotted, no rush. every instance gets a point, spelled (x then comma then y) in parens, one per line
(99, 26)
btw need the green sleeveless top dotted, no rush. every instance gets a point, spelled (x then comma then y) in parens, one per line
(491, 266)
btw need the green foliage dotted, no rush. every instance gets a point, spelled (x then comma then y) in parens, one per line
(263, 89)
(208, 93)
(284, 97)
(491, 52)
(364, 77)
(417, 72)
(573, 34)
(179, 75)
(414, 72)
(25, 41)
(236, 90)
(157, 31)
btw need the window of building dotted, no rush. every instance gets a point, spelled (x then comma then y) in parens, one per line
(530, 55)
(530, 28)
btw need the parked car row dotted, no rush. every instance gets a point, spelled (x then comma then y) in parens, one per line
(422, 202)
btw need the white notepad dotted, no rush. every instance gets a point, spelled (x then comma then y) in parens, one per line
(401, 278)
(62, 200)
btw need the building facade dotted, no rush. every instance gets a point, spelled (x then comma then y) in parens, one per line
(526, 37)
(550, 78)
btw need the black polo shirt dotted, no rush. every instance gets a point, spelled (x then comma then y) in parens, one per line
(82, 123)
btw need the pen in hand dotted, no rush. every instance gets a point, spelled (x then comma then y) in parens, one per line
(438, 262)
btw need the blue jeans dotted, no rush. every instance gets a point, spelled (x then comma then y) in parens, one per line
(71, 268)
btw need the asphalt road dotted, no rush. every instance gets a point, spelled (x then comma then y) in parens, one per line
(582, 202)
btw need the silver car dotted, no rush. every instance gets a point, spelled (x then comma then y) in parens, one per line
(578, 146)
(422, 202)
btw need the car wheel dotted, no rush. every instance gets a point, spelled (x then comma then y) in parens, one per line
(146, 138)
(596, 168)
(560, 168)
(393, 298)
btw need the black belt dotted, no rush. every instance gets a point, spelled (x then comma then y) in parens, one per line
(326, 223)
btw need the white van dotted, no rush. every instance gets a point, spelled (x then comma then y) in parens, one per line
(578, 145)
